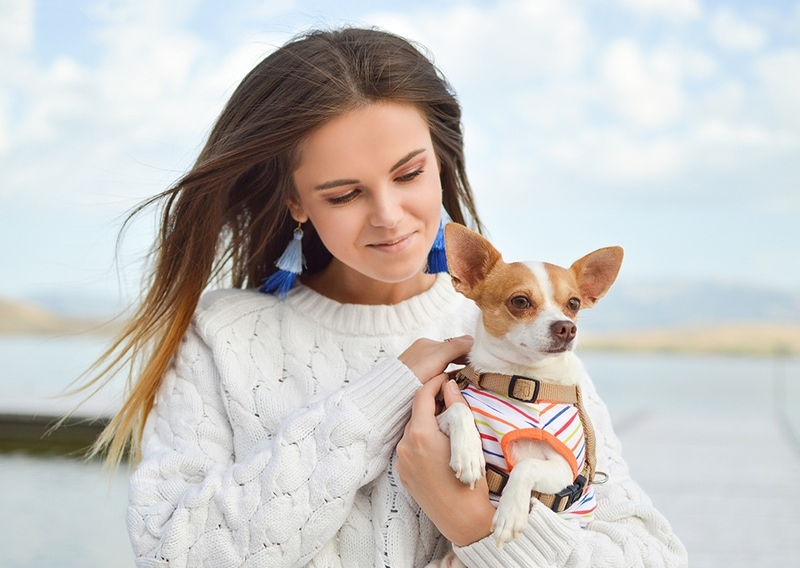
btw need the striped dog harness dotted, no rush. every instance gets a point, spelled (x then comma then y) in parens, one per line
(508, 408)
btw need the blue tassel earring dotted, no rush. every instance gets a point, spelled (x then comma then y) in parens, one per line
(437, 259)
(290, 265)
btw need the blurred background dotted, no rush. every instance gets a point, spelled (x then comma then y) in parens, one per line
(669, 127)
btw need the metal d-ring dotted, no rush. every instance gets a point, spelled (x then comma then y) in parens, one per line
(603, 478)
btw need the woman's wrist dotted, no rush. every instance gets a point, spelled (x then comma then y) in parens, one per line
(474, 521)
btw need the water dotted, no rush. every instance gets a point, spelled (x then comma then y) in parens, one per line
(718, 384)
(35, 372)
(43, 365)
(58, 511)
(63, 512)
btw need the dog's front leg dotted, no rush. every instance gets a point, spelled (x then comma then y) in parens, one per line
(466, 450)
(548, 472)
(511, 516)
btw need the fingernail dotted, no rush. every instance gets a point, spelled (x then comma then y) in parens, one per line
(453, 386)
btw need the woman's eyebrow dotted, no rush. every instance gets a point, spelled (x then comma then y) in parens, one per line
(339, 182)
(406, 158)
(335, 183)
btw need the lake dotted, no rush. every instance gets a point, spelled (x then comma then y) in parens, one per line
(67, 513)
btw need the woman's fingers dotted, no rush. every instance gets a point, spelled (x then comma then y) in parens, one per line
(423, 406)
(452, 394)
(428, 358)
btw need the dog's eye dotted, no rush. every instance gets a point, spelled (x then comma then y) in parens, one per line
(574, 304)
(520, 302)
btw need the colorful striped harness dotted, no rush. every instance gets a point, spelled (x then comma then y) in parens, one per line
(512, 407)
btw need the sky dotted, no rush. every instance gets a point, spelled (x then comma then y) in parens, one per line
(668, 127)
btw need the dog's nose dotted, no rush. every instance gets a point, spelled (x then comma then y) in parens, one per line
(564, 330)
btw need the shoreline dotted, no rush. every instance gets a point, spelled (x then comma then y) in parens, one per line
(27, 423)
(36, 434)
(749, 338)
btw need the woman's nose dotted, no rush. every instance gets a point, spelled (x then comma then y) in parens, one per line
(387, 210)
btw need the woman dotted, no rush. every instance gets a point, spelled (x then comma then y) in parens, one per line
(268, 422)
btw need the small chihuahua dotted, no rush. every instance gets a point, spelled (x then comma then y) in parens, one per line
(525, 428)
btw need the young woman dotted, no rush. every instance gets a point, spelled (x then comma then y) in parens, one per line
(297, 428)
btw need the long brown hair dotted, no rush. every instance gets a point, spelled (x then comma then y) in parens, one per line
(227, 220)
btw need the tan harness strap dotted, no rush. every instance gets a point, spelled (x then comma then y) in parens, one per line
(588, 434)
(521, 388)
(495, 480)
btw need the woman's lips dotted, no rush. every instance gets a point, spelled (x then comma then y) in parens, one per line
(393, 245)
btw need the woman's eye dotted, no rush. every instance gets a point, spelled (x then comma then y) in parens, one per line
(574, 304)
(340, 199)
(409, 176)
(520, 302)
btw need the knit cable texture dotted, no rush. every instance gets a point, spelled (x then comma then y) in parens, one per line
(272, 439)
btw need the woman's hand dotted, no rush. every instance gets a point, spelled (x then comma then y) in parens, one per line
(428, 358)
(462, 515)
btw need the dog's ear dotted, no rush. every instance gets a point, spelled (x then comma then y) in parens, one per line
(596, 272)
(470, 257)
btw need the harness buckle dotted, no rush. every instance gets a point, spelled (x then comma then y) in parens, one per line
(513, 383)
(568, 496)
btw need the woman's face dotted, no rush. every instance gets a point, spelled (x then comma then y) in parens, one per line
(369, 183)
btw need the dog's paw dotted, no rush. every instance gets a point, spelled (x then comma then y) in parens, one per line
(469, 466)
(509, 520)
(466, 450)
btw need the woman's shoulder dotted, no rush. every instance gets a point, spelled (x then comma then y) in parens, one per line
(225, 307)
(227, 297)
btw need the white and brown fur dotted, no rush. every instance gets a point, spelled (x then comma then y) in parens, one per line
(527, 327)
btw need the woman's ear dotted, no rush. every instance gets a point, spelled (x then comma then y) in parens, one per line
(296, 210)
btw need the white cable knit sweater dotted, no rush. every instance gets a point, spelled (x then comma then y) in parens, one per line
(272, 439)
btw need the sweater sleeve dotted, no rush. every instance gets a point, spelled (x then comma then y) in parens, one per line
(627, 530)
(195, 502)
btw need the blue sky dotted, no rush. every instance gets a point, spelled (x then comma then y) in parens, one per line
(669, 127)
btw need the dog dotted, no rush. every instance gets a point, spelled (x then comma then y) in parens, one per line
(525, 428)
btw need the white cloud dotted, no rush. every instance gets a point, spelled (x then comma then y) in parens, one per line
(615, 156)
(694, 63)
(725, 101)
(731, 32)
(645, 89)
(780, 74)
(718, 133)
(5, 111)
(16, 26)
(509, 42)
(671, 9)
(16, 39)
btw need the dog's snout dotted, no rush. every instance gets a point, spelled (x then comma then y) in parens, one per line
(564, 330)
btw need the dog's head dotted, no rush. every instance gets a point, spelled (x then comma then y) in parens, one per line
(530, 307)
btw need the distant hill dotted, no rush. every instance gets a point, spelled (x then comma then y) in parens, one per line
(22, 317)
(641, 305)
(75, 303)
